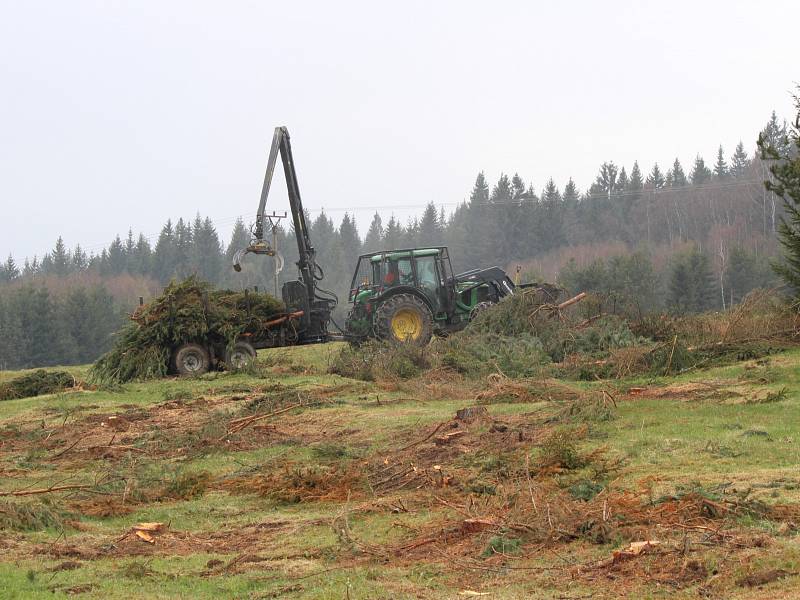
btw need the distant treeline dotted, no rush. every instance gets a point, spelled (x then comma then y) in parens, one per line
(38, 328)
(677, 238)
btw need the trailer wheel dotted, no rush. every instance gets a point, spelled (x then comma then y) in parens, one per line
(241, 355)
(191, 359)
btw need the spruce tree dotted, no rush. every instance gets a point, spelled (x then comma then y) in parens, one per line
(410, 233)
(30, 268)
(351, 243)
(165, 255)
(740, 274)
(635, 183)
(721, 167)
(691, 282)
(622, 180)
(656, 178)
(775, 135)
(11, 269)
(606, 182)
(700, 172)
(117, 261)
(501, 219)
(477, 215)
(517, 187)
(14, 343)
(240, 238)
(183, 248)
(140, 261)
(46, 266)
(703, 294)
(79, 262)
(373, 241)
(130, 248)
(552, 222)
(678, 176)
(739, 162)
(205, 257)
(679, 285)
(394, 235)
(430, 231)
(60, 258)
(456, 236)
(784, 165)
(103, 265)
(571, 194)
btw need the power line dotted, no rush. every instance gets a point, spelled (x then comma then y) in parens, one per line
(695, 189)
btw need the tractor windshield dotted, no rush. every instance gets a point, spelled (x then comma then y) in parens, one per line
(426, 272)
(367, 275)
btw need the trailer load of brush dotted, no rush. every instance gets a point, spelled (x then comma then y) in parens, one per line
(187, 314)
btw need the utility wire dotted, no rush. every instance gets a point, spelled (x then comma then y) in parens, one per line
(653, 193)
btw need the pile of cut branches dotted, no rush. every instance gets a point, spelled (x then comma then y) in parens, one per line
(187, 311)
(38, 383)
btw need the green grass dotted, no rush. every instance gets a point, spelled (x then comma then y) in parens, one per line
(674, 441)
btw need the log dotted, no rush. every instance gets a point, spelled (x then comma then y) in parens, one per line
(571, 301)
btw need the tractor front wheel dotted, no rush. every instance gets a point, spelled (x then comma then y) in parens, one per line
(404, 318)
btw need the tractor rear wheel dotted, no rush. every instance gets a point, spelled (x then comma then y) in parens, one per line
(404, 318)
(191, 359)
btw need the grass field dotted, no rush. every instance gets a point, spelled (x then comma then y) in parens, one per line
(289, 482)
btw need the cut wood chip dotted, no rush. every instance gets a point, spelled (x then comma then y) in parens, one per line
(148, 531)
(475, 525)
(446, 438)
(633, 550)
(143, 535)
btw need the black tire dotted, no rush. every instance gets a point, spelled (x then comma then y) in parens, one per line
(191, 359)
(240, 356)
(404, 318)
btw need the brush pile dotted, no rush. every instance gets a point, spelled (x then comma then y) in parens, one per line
(529, 335)
(38, 383)
(523, 333)
(187, 311)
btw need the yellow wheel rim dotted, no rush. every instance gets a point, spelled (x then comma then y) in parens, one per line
(406, 325)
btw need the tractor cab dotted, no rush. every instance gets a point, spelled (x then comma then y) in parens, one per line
(423, 271)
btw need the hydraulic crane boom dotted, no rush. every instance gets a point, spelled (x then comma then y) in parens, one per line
(316, 303)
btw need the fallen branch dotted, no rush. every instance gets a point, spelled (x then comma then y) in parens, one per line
(117, 447)
(56, 488)
(425, 439)
(239, 424)
(65, 450)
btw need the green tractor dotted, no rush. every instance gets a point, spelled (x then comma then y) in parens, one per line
(409, 295)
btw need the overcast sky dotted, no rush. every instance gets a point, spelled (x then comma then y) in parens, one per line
(122, 114)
